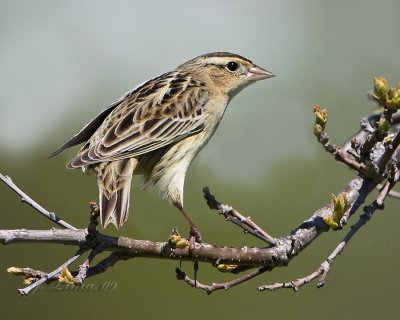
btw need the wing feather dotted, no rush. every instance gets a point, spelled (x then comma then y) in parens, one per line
(86, 132)
(162, 111)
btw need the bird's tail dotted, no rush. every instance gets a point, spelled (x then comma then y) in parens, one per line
(114, 181)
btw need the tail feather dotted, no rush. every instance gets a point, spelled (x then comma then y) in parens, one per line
(114, 180)
(115, 209)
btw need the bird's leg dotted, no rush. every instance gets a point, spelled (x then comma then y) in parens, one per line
(194, 234)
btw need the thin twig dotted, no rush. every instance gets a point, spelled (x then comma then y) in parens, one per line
(28, 290)
(338, 153)
(26, 199)
(35, 275)
(394, 194)
(94, 214)
(389, 151)
(297, 284)
(235, 217)
(84, 267)
(28, 273)
(181, 275)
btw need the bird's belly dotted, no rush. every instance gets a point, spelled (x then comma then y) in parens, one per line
(167, 167)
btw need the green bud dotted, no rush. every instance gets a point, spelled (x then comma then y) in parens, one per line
(380, 87)
(383, 126)
(178, 242)
(15, 271)
(393, 99)
(182, 244)
(28, 281)
(340, 206)
(226, 267)
(174, 238)
(321, 117)
(318, 130)
(66, 277)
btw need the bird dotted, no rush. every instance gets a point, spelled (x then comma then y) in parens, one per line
(157, 129)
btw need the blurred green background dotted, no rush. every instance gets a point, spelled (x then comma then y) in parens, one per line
(61, 62)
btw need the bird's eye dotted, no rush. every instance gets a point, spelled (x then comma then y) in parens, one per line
(232, 66)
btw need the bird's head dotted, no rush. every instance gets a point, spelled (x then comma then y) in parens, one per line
(225, 72)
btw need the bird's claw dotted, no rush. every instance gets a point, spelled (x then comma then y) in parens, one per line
(194, 236)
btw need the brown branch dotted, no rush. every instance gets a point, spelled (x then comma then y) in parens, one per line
(389, 151)
(325, 266)
(84, 267)
(235, 217)
(132, 248)
(338, 153)
(218, 286)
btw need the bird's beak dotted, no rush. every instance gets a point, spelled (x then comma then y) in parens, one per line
(257, 73)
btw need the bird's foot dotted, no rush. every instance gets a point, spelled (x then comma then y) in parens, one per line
(194, 236)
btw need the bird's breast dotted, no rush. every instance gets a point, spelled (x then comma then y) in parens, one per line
(213, 112)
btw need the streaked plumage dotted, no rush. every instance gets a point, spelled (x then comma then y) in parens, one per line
(157, 129)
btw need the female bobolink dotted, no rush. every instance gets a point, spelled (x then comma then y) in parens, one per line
(156, 130)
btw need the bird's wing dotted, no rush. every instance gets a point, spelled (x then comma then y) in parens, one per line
(86, 132)
(160, 112)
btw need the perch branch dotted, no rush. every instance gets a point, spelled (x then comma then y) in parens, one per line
(132, 248)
